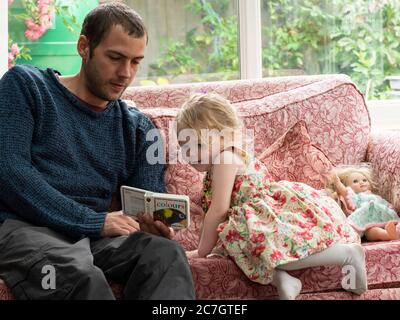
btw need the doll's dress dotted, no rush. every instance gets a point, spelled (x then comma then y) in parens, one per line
(273, 223)
(370, 210)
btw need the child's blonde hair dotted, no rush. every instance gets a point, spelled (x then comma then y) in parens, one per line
(343, 172)
(207, 111)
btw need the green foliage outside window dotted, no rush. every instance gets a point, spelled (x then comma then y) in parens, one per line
(360, 38)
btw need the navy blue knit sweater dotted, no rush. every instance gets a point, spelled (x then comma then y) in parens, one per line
(60, 162)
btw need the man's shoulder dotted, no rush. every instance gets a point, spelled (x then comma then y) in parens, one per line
(28, 72)
(26, 69)
(135, 116)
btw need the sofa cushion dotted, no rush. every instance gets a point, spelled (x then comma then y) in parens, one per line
(332, 107)
(173, 96)
(220, 278)
(334, 111)
(293, 157)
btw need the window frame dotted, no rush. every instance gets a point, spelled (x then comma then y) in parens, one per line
(3, 36)
(250, 35)
(250, 39)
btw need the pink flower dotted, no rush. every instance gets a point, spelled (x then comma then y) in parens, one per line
(32, 35)
(237, 185)
(256, 252)
(306, 235)
(257, 237)
(297, 187)
(10, 2)
(276, 195)
(10, 60)
(10, 56)
(15, 49)
(41, 19)
(248, 214)
(30, 24)
(314, 195)
(233, 236)
(276, 255)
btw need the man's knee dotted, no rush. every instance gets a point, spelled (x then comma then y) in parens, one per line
(159, 249)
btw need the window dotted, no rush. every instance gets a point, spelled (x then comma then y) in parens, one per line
(198, 40)
(189, 41)
(359, 38)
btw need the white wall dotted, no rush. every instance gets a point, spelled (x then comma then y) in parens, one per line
(3, 36)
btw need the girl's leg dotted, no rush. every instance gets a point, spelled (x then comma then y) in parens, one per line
(379, 234)
(288, 287)
(338, 254)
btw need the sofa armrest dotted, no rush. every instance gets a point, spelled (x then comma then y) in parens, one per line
(384, 155)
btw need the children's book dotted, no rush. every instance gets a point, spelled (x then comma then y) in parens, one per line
(172, 209)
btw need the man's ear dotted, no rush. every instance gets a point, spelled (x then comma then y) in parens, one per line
(83, 47)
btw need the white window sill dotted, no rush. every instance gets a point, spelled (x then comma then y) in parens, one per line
(385, 114)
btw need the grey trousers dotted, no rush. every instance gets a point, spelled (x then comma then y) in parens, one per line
(149, 267)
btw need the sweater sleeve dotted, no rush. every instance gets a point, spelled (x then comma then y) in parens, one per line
(22, 187)
(149, 173)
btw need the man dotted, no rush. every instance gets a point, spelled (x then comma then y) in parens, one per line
(67, 145)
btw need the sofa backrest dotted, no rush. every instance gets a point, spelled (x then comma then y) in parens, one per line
(332, 107)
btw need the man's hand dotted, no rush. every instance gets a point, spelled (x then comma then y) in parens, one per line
(192, 254)
(118, 224)
(147, 224)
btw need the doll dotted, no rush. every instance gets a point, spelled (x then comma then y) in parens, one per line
(367, 212)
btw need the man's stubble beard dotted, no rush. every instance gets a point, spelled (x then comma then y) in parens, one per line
(94, 82)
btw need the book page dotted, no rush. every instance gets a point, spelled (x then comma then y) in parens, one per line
(132, 201)
(172, 210)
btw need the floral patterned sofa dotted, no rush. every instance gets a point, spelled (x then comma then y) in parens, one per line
(338, 131)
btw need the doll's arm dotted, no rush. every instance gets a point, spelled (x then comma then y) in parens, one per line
(349, 199)
(339, 186)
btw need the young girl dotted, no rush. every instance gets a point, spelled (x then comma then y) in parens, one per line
(266, 227)
(368, 213)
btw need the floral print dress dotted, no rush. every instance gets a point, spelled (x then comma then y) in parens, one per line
(273, 223)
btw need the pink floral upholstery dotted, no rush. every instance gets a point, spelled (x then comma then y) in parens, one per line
(293, 157)
(338, 124)
(375, 294)
(384, 155)
(332, 108)
(174, 95)
(220, 278)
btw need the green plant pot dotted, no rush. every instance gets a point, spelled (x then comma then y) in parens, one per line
(57, 47)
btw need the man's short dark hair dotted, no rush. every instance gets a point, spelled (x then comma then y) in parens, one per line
(100, 20)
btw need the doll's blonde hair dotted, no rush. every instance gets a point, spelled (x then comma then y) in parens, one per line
(343, 172)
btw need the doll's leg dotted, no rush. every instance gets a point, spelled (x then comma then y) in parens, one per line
(338, 254)
(380, 234)
(288, 287)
